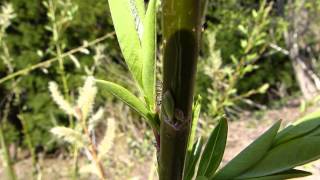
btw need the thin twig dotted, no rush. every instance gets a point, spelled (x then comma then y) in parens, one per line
(93, 149)
(49, 61)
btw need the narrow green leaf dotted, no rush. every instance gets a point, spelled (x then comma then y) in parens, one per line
(130, 99)
(214, 150)
(300, 128)
(127, 23)
(140, 8)
(249, 156)
(195, 118)
(293, 173)
(286, 156)
(149, 55)
(192, 159)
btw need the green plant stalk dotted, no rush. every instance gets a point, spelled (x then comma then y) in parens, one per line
(56, 38)
(30, 145)
(6, 157)
(181, 24)
(63, 74)
(75, 167)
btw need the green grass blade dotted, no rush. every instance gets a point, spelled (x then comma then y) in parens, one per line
(214, 150)
(249, 156)
(149, 55)
(130, 99)
(286, 156)
(127, 23)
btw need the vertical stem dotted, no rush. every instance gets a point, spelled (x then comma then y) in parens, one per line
(93, 150)
(181, 24)
(6, 157)
(30, 145)
(56, 39)
(75, 169)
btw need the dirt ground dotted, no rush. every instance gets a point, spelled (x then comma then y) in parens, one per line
(243, 131)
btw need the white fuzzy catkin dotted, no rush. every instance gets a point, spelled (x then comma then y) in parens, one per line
(59, 100)
(107, 141)
(95, 118)
(69, 135)
(6, 15)
(86, 98)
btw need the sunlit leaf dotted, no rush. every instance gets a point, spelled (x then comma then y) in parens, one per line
(124, 15)
(301, 127)
(141, 8)
(286, 156)
(249, 156)
(149, 55)
(195, 118)
(130, 99)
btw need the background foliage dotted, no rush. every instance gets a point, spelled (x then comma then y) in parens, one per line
(230, 26)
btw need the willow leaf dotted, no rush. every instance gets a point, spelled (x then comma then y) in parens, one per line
(293, 173)
(130, 99)
(195, 119)
(249, 156)
(141, 8)
(300, 128)
(286, 156)
(214, 150)
(192, 159)
(149, 55)
(125, 18)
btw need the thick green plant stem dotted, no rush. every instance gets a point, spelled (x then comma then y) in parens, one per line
(181, 24)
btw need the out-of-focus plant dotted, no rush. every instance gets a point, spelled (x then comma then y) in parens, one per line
(4, 151)
(222, 94)
(83, 135)
(60, 14)
(6, 16)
